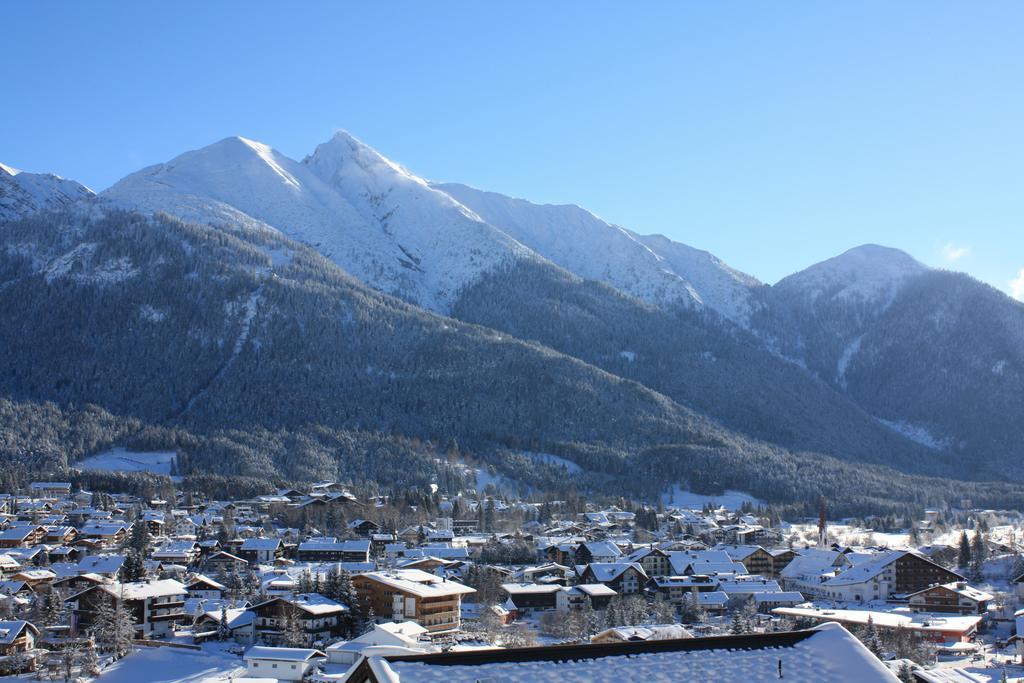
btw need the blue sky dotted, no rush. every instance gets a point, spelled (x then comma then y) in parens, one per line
(772, 134)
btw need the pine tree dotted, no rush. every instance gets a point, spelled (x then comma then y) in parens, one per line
(53, 609)
(736, 626)
(223, 629)
(979, 553)
(611, 613)
(139, 540)
(114, 626)
(1018, 567)
(964, 560)
(305, 583)
(293, 634)
(871, 640)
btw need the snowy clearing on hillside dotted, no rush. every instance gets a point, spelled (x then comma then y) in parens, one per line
(122, 460)
(549, 459)
(731, 500)
(917, 434)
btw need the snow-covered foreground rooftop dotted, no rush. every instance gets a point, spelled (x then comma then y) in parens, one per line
(827, 653)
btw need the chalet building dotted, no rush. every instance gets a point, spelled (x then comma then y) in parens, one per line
(892, 574)
(655, 561)
(17, 636)
(412, 595)
(60, 535)
(22, 536)
(956, 597)
(105, 535)
(597, 595)
(9, 566)
(224, 563)
(528, 598)
(50, 489)
(622, 577)
(177, 552)
(597, 552)
(756, 559)
(320, 618)
(461, 527)
(155, 605)
(240, 624)
(363, 527)
(676, 588)
(261, 550)
(204, 587)
(333, 550)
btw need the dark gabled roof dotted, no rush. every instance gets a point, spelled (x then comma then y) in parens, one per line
(563, 653)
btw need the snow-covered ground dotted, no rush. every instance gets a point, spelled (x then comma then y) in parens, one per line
(549, 459)
(730, 500)
(122, 460)
(173, 665)
(846, 534)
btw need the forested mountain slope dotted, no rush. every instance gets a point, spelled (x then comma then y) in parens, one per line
(254, 355)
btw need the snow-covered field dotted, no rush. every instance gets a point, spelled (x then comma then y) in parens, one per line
(731, 500)
(122, 460)
(852, 535)
(173, 665)
(549, 459)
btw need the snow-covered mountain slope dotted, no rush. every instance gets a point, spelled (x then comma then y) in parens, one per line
(651, 268)
(382, 225)
(721, 286)
(25, 193)
(441, 245)
(868, 273)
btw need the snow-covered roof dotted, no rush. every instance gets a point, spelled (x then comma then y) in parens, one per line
(654, 632)
(282, 654)
(609, 571)
(827, 653)
(530, 588)
(141, 590)
(916, 621)
(865, 571)
(962, 589)
(10, 630)
(418, 583)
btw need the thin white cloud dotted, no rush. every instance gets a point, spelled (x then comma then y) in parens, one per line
(1017, 286)
(954, 253)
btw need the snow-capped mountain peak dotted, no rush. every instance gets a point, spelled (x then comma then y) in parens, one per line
(376, 220)
(869, 272)
(24, 193)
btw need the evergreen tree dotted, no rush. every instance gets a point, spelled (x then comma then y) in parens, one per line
(114, 626)
(139, 540)
(736, 625)
(223, 629)
(292, 633)
(871, 639)
(964, 559)
(979, 553)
